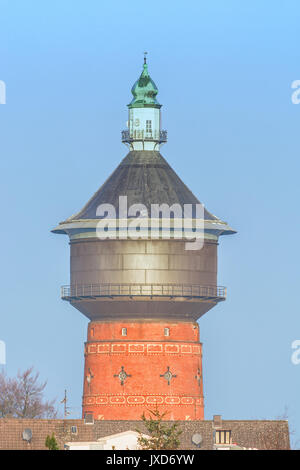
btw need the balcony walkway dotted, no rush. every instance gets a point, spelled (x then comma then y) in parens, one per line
(189, 291)
(159, 136)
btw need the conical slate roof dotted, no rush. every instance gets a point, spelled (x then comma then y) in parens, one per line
(146, 178)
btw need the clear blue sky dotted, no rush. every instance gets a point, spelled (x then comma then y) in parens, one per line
(224, 72)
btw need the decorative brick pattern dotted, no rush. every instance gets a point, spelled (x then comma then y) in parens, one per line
(141, 399)
(143, 348)
(136, 348)
(155, 348)
(118, 348)
(143, 369)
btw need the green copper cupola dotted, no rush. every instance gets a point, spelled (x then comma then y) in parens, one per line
(144, 91)
(144, 115)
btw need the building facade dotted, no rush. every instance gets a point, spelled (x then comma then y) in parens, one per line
(30, 434)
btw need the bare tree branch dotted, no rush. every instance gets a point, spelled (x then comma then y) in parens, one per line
(23, 397)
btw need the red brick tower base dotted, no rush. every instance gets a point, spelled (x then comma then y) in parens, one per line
(134, 366)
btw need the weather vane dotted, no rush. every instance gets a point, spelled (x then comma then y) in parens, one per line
(145, 57)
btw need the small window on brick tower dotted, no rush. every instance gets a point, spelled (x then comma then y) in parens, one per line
(167, 331)
(92, 331)
(124, 331)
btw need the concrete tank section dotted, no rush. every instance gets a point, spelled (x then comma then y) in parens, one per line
(143, 279)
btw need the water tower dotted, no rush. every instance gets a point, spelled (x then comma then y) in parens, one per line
(142, 293)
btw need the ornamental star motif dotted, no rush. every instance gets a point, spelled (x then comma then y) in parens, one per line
(198, 377)
(89, 377)
(122, 375)
(168, 375)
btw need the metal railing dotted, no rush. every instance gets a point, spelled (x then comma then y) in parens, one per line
(157, 136)
(90, 291)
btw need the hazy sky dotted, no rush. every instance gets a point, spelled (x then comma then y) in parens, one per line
(224, 72)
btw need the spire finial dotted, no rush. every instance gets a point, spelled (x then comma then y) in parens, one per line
(145, 57)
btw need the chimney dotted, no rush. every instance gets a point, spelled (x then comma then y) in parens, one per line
(217, 421)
